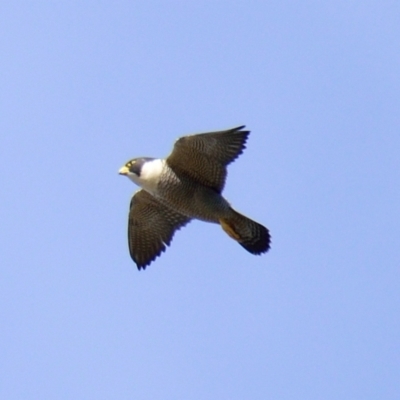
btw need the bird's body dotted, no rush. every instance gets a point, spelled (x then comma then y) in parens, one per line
(187, 185)
(193, 200)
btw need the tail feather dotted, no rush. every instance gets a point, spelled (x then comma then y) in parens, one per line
(251, 235)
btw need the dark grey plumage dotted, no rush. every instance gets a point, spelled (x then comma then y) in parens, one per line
(151, 227)
(204, 157)
(187, 185)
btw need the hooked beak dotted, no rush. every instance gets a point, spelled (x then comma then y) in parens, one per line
(123, 171)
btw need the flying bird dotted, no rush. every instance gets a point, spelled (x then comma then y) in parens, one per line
(187, 185)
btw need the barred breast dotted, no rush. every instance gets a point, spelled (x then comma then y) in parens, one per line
(191, 198)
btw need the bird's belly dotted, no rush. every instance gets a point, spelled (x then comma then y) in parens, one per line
(196, 201)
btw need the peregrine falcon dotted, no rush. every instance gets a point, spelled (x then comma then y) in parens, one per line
(184, 186)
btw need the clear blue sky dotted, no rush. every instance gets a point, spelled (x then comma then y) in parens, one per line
(85, 86)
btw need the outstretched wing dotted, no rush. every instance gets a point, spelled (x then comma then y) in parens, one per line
(151, 227)
(204, 157)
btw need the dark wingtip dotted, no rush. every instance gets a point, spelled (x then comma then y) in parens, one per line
(146, 261)
(240, 129)
(245, 133)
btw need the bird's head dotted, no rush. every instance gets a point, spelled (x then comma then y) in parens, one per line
(143, 171)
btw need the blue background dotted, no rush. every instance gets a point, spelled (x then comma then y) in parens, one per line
(85, 86)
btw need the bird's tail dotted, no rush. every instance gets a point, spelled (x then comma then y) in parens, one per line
(251, 235)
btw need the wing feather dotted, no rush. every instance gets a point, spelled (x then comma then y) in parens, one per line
(204, 157)
(151, 227)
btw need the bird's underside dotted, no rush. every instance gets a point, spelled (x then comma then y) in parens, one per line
(199, 161)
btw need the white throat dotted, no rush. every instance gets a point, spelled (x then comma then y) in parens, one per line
(149, 175)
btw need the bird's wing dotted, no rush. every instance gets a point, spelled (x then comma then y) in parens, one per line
(151, 227)
(204, 157)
